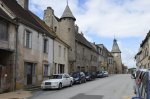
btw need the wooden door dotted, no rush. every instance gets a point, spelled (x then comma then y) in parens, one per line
(29, 73)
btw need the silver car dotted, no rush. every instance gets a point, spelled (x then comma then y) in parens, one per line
(57, 81)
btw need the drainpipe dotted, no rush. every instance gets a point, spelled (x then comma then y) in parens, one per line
(53, 66)
(16, 57)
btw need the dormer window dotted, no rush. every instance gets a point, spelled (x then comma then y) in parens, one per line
(3, 30)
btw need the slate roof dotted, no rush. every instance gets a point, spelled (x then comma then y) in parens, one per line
(115, 48)
(25, 17)
(81, 39)
(145, 40)
(67, 13)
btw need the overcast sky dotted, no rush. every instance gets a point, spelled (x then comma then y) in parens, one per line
(102, 20)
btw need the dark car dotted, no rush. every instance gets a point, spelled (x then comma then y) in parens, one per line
(79, 77)
(100, 74)
(94, 75)
(142, 84)
(89, 76)
(105, 73)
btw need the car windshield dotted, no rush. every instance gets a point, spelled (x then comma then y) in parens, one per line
(75, 75)
(56, 77)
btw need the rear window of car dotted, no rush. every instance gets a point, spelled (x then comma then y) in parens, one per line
(75, 75)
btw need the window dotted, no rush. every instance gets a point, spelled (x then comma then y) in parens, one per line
(27, 39)
(45, 47)
(46, 69)
(69, 29)
(64, 53)
(3, 30)
(55, 29)
(61, 68)
(59, 51)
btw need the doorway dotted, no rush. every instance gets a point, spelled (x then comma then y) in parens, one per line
(29, 70)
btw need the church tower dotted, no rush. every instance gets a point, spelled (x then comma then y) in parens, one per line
(67, 32)
(117, 56)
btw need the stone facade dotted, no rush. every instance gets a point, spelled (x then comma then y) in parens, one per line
(32, 41)
(142, 57)
(105, 59)
(36, 49)
(60, 57)
(32, 60)
(86, 55)
(8, 32)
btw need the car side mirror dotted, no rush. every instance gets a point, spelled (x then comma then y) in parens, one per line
(136, 98)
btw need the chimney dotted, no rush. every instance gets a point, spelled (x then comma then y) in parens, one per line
(76, 29)
(82, 34)
(48, 16)
(24, 3)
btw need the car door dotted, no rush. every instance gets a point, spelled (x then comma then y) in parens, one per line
(63, 80)
(68, 79)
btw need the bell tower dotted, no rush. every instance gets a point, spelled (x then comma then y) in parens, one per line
(117, 57)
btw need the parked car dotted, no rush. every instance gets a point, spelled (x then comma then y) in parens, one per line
(79, 77)
(57, 81)
(105, 73)
(100, 74)
(142, 84)
(88, 76)
(93, 75)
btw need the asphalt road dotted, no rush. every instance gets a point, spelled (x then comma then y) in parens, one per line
(113, 87)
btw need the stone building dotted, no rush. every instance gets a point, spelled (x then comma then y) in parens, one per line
(65, 30)
(33, 45)
(8, 33)
(105, 59)
(142, 57)
(117, 56)
(86, 55)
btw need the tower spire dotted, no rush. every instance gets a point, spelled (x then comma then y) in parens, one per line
(67, 2)
(67, 13)
(115, 48)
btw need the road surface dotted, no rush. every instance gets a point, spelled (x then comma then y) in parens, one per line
(113, 87)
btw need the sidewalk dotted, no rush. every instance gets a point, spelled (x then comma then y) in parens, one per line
(20, 94)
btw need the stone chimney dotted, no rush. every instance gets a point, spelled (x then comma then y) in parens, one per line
(76, 29)
(48, 16)
(24, 4)
(82, 34)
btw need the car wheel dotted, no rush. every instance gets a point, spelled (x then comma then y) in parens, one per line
(60, 86)
(70, 83)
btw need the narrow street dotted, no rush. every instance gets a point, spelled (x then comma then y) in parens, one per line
(112, 87)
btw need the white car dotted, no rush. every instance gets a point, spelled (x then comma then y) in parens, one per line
(57, 81)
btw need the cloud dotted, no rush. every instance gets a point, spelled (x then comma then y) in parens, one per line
(127, 54)
(105, 19)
